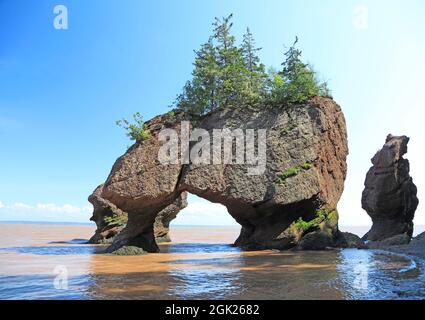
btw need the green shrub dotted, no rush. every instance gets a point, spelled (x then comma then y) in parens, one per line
(296, 82)
(321, 215)
(171, 114)
(137, 130)
(291, 172)
(302, 225)
(306, 165)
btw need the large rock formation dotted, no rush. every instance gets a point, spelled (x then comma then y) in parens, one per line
(295, 196)
(389, 196)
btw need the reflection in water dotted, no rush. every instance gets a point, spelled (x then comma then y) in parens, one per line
(73, 241)
(379, 275)
(354, 270)
(199, 248)
(218, 283)
(199, 264)
(204, 277)
(52, 250)
(41, 287)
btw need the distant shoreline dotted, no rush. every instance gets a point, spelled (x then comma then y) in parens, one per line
(359, 230)
(93, 224)
(50, 223)
(178, 225)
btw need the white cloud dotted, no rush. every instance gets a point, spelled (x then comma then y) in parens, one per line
(20, 205)
(202, 212)
(20, 211)
(205, 209)
(66, 208)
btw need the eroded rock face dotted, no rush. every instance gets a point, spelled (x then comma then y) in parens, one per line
(389, 196)
(309, 141)
(161, 225)
(110, 220)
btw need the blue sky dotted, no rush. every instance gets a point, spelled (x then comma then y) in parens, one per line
(61, 91)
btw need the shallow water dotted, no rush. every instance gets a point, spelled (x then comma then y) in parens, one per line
(44, 262)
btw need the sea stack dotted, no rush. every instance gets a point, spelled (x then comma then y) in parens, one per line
(389, 196)
(291, 204)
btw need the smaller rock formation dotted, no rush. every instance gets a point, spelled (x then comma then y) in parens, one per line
(398, 240)
(111, 220)
(319, 233)
(389, 196)
(416, 247)
(325, 234)
(129, 251)
(350, 240)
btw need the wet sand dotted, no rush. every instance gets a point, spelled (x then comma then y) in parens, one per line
(200, 263)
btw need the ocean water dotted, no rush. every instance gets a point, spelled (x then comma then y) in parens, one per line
(39, 261)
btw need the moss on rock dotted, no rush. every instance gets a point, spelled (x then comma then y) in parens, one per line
(292, 172)
(116, 219)
(129, 251)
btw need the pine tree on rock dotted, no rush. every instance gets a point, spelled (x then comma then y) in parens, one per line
(199, 95)
(299, 78)
(256, 74)
(226, 75)
(232, 80)
(205, 75)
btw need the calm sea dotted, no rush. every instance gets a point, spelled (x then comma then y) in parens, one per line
(49, 261)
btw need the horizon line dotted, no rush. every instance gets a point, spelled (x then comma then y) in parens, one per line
(176, 225)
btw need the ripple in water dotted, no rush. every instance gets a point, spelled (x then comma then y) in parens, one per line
(193, 269)
(366, 274)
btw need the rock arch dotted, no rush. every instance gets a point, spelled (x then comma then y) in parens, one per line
(292, 204)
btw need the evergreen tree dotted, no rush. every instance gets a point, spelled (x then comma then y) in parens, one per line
(199, 95)
(298, 76)
(232, 80)
(255, 70)
(225, 75)
(205, 75)
(189, 101)
(297, 81)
